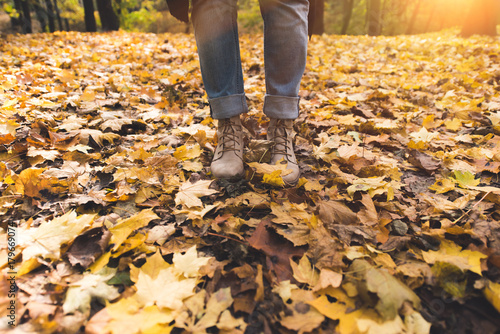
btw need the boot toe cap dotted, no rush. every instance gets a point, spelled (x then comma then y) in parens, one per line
(227, 169)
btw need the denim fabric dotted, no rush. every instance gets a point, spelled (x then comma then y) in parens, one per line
(285, 51)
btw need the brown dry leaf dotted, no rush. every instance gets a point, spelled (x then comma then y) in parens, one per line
(368, 215)
(423, 161)
(88, 246)
(334, 212)
(276, 248)
(98, 136)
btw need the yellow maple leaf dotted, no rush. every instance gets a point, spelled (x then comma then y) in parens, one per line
(290, 213)
(332, 310)
(284, 289)
(229, 324)
(374, 186)
(325, 150)
(189, 263)
(129, 244)
(186, 152)
(424, 136)
(492, 293)
(87, 96)
(154, 264)
(194, 213)
(123, 228)
(304, 272)
(450, 252)
(274, 178)
(453, 125)
(442, 186)
(189, 193)
(166, 290)
(8, 127)
(430, 123)
(46, 240)
(127, 317)
(218, 302)
(373, 326)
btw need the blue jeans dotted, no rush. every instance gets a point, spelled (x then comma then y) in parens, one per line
(285, 52)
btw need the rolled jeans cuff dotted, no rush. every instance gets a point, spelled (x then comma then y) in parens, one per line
(228, 106)
(281, 107)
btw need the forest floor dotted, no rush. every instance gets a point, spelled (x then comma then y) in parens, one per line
(112, 223)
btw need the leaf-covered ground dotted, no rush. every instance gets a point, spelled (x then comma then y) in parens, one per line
(394, 227)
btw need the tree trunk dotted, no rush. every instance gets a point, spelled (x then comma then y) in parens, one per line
(90, 24)
(26, 17)
(109, 20)
(348, 7)
(482, 18)
(41, 14)
(17, 21)
(316, 17)
(411, 25)
(24, 20)
(373, 17)
(58, 16)
(50, 14)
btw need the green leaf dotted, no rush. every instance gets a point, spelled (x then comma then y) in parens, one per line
(465, 179)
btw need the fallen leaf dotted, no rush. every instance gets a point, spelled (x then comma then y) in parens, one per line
(304, 272)
(334, 212)
(91, 286)
(492, 294)
(123, 228)
(189, 193)
(276, 248)
(46, 240)
(452, 253)
(189, 264)
(390, 291)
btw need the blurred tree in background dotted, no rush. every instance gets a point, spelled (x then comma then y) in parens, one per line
(353, 17)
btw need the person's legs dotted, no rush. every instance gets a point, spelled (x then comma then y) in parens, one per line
(285, 53)
(216, 34)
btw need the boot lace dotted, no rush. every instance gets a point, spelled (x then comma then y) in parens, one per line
(229, 140)
(282, 140)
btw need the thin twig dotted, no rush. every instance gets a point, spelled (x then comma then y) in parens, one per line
(226, 237)
(465, 214)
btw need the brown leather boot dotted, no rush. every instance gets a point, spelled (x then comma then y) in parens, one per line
(280, 131)
(228, 157)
